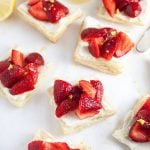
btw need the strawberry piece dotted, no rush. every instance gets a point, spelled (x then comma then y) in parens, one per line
(42, 145)
(133, 9)
(144, 114)
(109, 48)
(139, 134)
(54, 10)
(121, 4)
(75, 93)
(33, 2)
(124, 45)
(37, 11)
(94, 48)
(88, 88)
(110, 6)
(24, 85)
(147, 104)
(35, 58)
(99, 89)
(17, 58)
(66, 106)
(87, 107)
(11, 75)
(4, 65)
(62, 90)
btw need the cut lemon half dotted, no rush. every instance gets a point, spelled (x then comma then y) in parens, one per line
(6, 8)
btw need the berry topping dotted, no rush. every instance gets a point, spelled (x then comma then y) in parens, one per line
(121, 4)
(54, 10)
(88, 88)
(34, 58)
(109, 48)
(42, 145)
(32, 2)
(84, 99)
(110, 6)
(133, 9)
(37, 11)
(4, 65)
(11, 75)
(124, 45)
(61, 90)
(138, 133)
(17, 58)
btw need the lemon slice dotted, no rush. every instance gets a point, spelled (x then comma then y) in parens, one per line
(6, 8)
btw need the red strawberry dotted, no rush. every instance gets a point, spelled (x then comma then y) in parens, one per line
(124, 45)
(11, 75)
(54, 10)
(88, 88)
(66, 106)
(75, 93)
(24, 85)
(35, 58)
(17, 57)
(99, 89)
(147, 104)
(94, 48)
(87, 107)
(144, 114)
(62, 90)
(121, 4)
(138, 133)
(4, 65)
(33, 2)
(110, 6)
(133, 9)
(42, 145)
(109, 48)
(37, 11)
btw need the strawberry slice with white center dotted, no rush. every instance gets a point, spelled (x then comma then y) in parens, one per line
(124, 44)
(88, 88)
(87, 107)
(17, 57)
(38, 12)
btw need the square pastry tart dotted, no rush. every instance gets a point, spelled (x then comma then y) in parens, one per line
(50, 17)
(45, 141)
(135, 130)
(102, 48)
(20, 75)
(130, 12)
(80, 105)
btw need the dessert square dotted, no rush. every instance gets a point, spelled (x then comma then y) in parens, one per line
(44, 136)
(114, 66)
(53, 31)
(17, 69)
(119, 15)
(122, 133)
(74, 121)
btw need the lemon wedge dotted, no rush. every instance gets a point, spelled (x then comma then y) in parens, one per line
(6, 8)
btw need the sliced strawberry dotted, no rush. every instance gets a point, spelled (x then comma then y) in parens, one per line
(147, 104)
(66, 106)
(11, 75)
(110, 6)
(42, 145)
(109, 48)
(31, 67)
(99, 89)
(94, 48)
(62, 90)
(54, 10)
(144, 114)
(75, 93)
(88, 88)
(37, 11)
(133, 9)
(35, 58)
(121, 4)
(4, 65)
(87, 107)
(124, 45)
(24, 85)
(138, 133)
(17, 57)
(33, 2)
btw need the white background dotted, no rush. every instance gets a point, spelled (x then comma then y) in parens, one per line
(18, 125)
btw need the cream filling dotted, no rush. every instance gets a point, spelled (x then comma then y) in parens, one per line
(142, 18)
